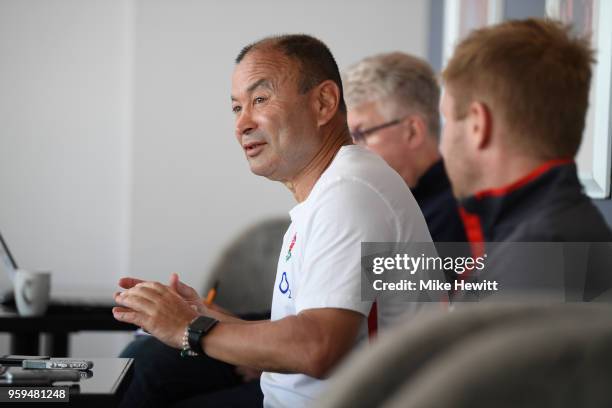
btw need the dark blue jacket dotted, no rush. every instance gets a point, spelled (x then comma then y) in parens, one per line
(434, 196)
(546, 206)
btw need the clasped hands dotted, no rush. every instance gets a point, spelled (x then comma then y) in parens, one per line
(162, 310)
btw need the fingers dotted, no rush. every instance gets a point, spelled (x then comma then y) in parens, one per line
(128, 283)
(152, 286)
(127, 316)
(174, 281)
(157, 309)
(187, 291)
(136, 304)
(179, 287)
(140, 299)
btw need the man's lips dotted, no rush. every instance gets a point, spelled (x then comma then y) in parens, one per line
(254, 148)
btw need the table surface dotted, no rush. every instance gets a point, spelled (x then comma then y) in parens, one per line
(109, 378)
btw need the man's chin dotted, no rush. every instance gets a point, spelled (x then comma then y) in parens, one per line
(266, 172)
(258, 169)
(258, 172)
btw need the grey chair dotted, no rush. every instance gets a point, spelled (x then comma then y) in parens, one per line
(564, 361)
(246, 269)
(371, 376)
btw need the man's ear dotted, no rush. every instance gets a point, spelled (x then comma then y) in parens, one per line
(479, 124)
(326, 101)
(414, 131)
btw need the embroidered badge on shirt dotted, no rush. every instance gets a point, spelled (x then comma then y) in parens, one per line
(291, 247)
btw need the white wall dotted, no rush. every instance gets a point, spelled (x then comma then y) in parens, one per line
(117, 152)
(63, 133)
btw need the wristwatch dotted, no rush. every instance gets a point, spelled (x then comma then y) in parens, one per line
(198, 329)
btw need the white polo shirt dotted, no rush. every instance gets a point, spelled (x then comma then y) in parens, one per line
(358, 198)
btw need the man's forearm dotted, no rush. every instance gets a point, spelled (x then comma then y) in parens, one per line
(310, 342)
(287, 346)
(221, 314)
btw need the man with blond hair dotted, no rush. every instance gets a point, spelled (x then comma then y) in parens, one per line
(392, 104)
(515, 100)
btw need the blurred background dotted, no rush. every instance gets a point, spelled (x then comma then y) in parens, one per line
(117, 150)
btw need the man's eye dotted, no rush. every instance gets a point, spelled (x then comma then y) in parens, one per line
(259, 99)
(236, 109)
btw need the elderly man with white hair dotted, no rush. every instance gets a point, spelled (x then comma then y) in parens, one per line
(393, 104)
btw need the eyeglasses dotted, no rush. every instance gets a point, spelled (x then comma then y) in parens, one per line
(359, 135)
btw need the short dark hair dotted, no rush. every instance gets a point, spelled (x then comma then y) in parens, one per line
(317, 64)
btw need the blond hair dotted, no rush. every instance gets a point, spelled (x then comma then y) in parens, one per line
(534, 76)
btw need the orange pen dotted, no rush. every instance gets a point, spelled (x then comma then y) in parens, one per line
(212, 293)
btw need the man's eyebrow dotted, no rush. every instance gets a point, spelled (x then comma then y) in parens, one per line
(263, 83)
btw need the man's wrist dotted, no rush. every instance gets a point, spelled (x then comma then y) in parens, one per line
(186, 350)
(195, 331)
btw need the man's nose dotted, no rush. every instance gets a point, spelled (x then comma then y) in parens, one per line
(245, 123)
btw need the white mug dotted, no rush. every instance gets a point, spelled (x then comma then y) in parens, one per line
(32, 292)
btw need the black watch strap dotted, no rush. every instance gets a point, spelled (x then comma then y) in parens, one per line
(198, 329)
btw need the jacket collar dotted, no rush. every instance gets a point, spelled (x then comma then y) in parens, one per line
(485, 213)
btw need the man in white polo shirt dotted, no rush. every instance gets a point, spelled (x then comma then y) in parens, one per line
(291, 123)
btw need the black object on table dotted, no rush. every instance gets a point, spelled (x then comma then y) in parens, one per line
(58, 323)
(103, 387)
